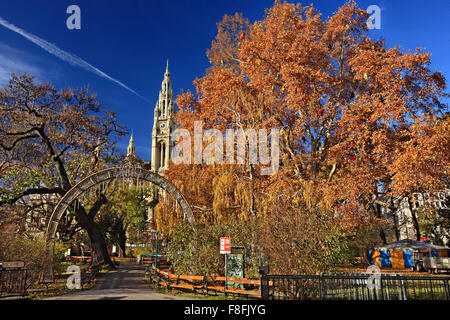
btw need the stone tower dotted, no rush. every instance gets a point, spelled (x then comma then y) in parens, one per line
(163, 126)
(131, 150)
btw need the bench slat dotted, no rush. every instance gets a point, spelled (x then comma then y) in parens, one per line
(193, 278)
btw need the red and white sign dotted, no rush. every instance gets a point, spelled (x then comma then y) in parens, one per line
(225, 245)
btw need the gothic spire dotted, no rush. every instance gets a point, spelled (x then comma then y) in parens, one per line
(165, 102)
(167, 67)
(131, 150)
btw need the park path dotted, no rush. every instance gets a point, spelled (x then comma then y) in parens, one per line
(126, 282)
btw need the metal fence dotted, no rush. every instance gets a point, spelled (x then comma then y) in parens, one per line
(13, 282)
(354, 287)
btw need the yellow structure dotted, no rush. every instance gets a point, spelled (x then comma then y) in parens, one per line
(402, 254)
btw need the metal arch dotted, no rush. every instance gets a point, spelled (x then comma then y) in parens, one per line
(109, 174)
(122, 172)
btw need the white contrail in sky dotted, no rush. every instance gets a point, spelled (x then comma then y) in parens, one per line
(63, 55)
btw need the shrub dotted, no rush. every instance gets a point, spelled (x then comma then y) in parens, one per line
(136, 251)
(303, 241)
(21, 249)
(31, 251)
(59, 257)
(194, 249)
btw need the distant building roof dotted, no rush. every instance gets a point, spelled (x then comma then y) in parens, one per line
(410, 244)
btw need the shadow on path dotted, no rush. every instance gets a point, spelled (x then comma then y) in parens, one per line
(126, 282)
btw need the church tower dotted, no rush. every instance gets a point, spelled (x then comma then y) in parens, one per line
(131, 150)
(163, 126)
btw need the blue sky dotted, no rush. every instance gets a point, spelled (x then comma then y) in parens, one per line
(131, 40)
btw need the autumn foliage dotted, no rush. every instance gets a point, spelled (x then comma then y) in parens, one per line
(359, 121)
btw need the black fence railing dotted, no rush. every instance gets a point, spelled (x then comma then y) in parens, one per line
(354, 287)
(13, 282)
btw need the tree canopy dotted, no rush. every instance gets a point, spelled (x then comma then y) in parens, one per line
(358, 121)
(49, 140)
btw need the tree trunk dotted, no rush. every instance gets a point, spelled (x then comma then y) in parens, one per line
(252, 190)
(415, 221)
(122, 244)
(98, 244)
(395, 226)
(396, 223)
(378, 214)
(99, 248)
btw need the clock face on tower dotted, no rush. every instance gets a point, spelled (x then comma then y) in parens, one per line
(162, 125)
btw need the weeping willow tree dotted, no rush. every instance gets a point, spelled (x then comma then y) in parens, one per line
(216, 194)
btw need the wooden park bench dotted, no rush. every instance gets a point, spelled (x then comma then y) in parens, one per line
(242, 287)
(154, 274)
(88, 259)
(147, 259)
(161, 279)
(91, 272)
(81, 259)
(166, 279)
(251, 288)
(175, 281)
(187, 282)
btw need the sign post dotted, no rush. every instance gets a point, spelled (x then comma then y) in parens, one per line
(225, 248)
(226, 273)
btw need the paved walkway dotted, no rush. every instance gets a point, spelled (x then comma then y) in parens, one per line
(127, 282)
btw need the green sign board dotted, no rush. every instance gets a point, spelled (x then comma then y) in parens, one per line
(235, 265)
(235, 268)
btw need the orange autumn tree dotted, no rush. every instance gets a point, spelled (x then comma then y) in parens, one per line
(358, 121)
